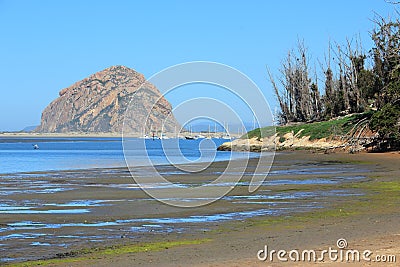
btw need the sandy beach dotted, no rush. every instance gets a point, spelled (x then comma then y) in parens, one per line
(308, 201)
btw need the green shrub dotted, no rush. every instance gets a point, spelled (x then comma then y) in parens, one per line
(386, 121)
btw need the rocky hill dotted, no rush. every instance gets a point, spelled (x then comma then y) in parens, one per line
(98, 103)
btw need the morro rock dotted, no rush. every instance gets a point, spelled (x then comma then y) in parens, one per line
(98, 104)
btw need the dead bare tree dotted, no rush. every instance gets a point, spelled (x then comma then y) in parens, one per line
(386, 53)
(354, 64)
(343, 80)
(299, 99)
(282, 99)
(392, 2)
(345, 95)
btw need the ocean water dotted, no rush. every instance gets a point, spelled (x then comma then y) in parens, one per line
(17, 154)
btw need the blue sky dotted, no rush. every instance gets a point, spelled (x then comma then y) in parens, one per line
(49, 45)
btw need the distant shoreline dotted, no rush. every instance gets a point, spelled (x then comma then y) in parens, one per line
(94, 135)
(34, 135)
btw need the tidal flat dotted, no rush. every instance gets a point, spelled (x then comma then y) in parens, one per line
(90, 215)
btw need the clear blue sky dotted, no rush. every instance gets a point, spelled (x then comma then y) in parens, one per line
(48, 45)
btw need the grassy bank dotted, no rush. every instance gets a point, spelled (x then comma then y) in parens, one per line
(316, 130)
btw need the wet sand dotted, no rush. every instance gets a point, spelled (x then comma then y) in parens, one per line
(308, 202)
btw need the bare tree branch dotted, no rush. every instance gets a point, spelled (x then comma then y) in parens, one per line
(392, 2)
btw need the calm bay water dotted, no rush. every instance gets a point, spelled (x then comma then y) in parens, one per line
(18, 155)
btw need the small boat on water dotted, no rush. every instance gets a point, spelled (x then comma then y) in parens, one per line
(190, 136)
(163, 136)
(35, 146)
(226, 136)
